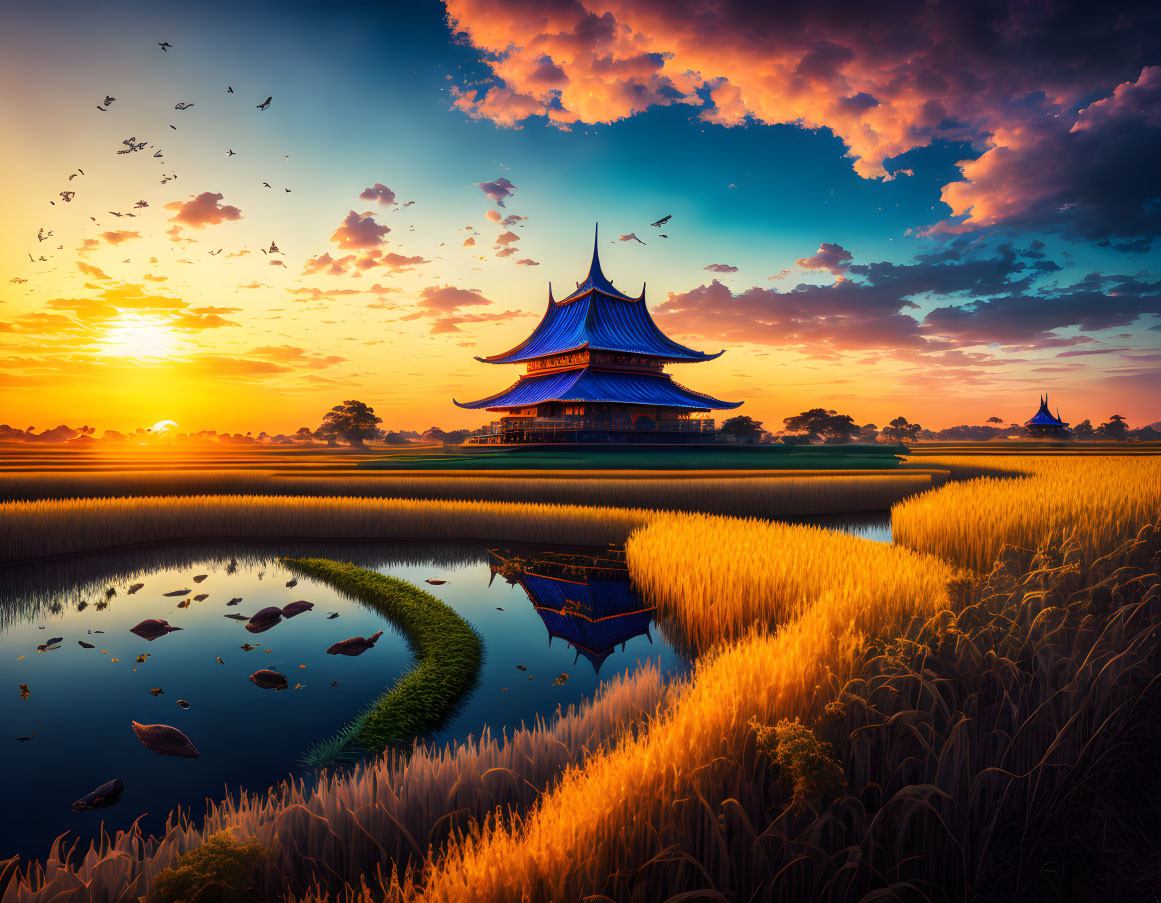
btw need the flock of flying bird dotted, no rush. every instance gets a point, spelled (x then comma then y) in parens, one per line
(132, 145)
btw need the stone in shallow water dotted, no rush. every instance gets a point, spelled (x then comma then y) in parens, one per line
(355, 645)
(165, 740)
(269, 680)
(296, 608)
(105, 795)
(264, 619)
(152, 628)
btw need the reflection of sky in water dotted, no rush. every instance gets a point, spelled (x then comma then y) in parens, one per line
(82, 701)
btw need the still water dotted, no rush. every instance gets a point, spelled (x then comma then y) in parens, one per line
(66, 712)
(81, 701)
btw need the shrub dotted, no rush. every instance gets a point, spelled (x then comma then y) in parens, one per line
(804, 762)
(221, 870)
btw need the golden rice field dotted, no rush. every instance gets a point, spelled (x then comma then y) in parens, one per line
(787, 494)
(717, 578)
(1099, 501)
(780, 614)
(43, 529)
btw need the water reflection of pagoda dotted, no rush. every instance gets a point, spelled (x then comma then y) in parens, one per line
(583, 598)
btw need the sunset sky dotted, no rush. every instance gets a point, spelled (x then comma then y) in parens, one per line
(940, 210)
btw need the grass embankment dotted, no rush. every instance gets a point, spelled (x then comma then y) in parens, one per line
(447, 650)
(1100, 502)
(744, 493)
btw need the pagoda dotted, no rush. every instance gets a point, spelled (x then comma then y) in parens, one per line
(1044, 422)
(596, 373)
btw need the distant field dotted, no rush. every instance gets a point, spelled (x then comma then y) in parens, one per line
(439, 458)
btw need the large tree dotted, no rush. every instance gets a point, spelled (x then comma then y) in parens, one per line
(1116, 428)
(902, 431)
(353, 421)
(747, 429)
(820, 423)
(1083, 430)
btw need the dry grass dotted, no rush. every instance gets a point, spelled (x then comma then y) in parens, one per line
(715, 579)
(736, 493)
(1099, 501)
(30, 530)
(360, 825)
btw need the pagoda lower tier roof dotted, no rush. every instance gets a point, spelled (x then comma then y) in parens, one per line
(598, 320)
(586, 384)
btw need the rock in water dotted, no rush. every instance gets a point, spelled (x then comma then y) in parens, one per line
(296, 608)
(200, 577)
(269, 680)
(179, 592)
(103, 796)
(152, 628)
(292, 582)
(235, 600)
(201, 597)
(236, 617)
(182, 704)
(356, 645)
(435, 581)
(165, 740)
(135, 587)
(264, 619)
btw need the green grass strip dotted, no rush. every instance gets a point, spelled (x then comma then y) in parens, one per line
(448, 653)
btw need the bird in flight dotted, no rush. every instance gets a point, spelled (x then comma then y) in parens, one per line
(182, 106)
(140, 204)
(266, 102)
(273, 249)
(267, 184)
(67, 196)
(632, 236)
(41, 235)
(215, 253)
(229, 90)
(287, 190)
(230, 153)
(662, 221)
(108, 100)
(164, 45)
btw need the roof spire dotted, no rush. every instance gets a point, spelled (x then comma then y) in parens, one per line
(595, 268)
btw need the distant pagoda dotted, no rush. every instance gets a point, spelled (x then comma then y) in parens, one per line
(1044, 422)
(595, 373)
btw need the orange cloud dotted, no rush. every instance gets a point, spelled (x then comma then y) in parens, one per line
(206, 209)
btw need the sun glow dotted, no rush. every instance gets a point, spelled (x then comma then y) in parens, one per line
(139, 337)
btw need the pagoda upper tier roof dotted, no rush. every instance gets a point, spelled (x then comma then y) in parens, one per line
(598, 317)
(600, 386)
(1044, 417)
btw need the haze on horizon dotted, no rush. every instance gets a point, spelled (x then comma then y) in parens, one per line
(943, 221)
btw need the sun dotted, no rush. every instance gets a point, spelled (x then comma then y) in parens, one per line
(139, 337)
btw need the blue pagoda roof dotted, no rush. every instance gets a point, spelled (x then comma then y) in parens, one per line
(1044, 417)
(598, 317)
(600, 386)
(593, 617)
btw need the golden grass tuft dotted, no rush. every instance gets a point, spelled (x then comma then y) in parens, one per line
(1099, 501)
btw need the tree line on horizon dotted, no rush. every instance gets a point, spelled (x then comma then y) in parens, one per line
(355, 423)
